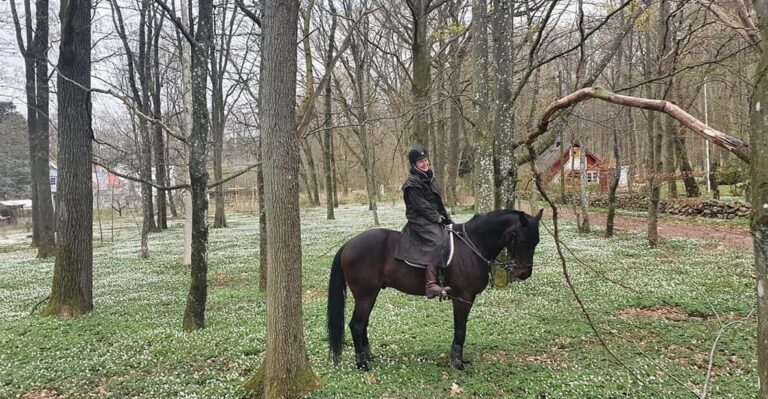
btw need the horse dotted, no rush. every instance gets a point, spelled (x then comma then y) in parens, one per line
(366, 264)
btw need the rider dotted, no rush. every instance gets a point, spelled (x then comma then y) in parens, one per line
(423, 237)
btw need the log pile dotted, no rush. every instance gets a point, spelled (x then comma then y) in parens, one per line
(709, 208)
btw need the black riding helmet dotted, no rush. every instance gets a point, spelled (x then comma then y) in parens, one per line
(417, 154)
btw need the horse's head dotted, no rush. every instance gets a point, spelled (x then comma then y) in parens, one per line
(521, 238)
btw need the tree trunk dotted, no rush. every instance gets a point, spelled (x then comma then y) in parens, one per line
(328, 122)
(263, 265)
(285, 371)
(483, 157)
(422, 80)
(456, 121)
(148, 224)
(162, 215)
(454, 150)
(654, 180)
(713, 177)
(614, 186)
(217, 130)
(584, 225)
(503, 125)
(46, 243)
(187, 120)
(72, 289)
(305, 180)
(167, 179)
(29, 66)
(759, 174)
(312, 181)
(370, 182)
(335, 176)
(691, 188)
(187, 254)
(36, 69)
(632, 151)
(194, 313)
(670, 166)
(655, 131)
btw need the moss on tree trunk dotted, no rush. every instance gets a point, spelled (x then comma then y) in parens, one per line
(296, 385)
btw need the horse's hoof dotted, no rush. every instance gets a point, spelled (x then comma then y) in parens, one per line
(361, 361)
(368, 354)
(457, 364)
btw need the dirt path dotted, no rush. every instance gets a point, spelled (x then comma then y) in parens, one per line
(721, 237)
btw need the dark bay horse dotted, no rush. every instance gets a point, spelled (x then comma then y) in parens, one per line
(366, 264)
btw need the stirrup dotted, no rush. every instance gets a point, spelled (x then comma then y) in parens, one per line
(443, 294)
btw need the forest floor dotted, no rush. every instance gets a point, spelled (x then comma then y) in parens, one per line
(716, 234)
(659, 310)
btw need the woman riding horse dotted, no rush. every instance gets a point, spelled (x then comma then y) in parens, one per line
(367, 264)
(423, 238)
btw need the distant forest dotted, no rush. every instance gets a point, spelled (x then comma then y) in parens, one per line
(14, 154)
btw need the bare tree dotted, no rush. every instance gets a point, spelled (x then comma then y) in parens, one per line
(358, 73)
(35, 53)
(220, 56)
(328, 121)
(194, 312)
(285, 371)
(139, 66)
(157, 114)
(313, 185)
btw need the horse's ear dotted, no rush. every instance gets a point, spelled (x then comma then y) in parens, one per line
(538, 215)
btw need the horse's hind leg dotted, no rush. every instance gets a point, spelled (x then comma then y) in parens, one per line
(366, 346)
(359, 328)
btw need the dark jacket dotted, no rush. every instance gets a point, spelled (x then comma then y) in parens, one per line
(423, 237)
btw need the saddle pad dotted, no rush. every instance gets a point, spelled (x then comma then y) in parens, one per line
(450, 253)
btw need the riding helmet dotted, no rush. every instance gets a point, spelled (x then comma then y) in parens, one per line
(417, 154)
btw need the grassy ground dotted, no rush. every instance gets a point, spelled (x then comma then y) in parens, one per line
(529, 340)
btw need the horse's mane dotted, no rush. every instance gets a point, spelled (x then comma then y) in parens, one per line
(483, 218)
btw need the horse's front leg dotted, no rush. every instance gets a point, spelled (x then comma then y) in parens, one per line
(461, 308)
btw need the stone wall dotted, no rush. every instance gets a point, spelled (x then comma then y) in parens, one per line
(711, 208)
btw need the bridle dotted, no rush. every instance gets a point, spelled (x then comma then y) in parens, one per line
(507, 266)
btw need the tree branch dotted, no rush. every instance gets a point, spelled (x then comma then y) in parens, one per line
(725, 141)
(177, 21)
(127, 101)
(310, 110)
(250, 14)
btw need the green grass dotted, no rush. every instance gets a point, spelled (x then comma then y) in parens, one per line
(529, 340)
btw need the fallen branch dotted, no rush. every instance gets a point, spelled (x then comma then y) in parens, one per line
(37, 305)
(725, 141)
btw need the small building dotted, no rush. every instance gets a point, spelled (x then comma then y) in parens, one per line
(569, 157)
(103, 182)
(11, 211)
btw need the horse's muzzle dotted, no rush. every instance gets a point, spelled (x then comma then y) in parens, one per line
(522, 273)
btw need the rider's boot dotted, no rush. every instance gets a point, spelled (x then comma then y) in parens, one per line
(432, 288)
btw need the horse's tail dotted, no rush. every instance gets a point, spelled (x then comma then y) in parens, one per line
(337, 290)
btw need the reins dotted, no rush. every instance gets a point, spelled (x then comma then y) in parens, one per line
(464, 237)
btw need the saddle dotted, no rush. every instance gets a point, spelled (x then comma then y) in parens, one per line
(447, 251)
